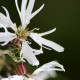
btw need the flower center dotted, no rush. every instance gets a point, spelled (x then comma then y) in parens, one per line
(22, 34)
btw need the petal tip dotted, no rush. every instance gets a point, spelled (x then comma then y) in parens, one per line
(43, 5)
(63, 69)
(36, 63)
(61, 50)
(54, 28)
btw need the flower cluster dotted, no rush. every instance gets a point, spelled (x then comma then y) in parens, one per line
(18, 42)
(42, 73)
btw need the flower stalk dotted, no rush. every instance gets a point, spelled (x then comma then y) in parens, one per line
(20, 69)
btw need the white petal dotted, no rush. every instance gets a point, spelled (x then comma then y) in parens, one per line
(52, 44)
(23, 7)
(2, 22)
(7, 13)
(2, 16)
(23, 11)
(6, 37)
(48, 67)
(7, 24)
(30, 7)
(46, 48)
(30, 79)
(45, 75)
(21, 52)
(38, 39)
(3, 26)
(36, 12)
(5, 43)
(37, 52)
(28, 54)
(15, 77)
(5, 79)
(26, 14)
(48, 32)
(6, 21)
(16, 2)
(29, 16)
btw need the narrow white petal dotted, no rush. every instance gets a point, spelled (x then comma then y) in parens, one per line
(7, 25)
(37, 52)
(48, 32)
(23, 7)
(27, 14)
(46, 48)
(5, 43)
(55, 64)
(23, 12)
(21, 52)
(36, 38)
(56, 69)
(39, 40)
(28, 54)
(52, 44)
(30, 7)
(2, 22)
(45, 75)
(2, 16)
(7, 13)
(49, 67)
(3, 26)
(6, 21)
(6, 37)
(16, 2)
(36, 12)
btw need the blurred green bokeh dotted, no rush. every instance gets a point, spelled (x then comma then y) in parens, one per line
(65, 16)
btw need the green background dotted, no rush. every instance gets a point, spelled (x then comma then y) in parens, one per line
(65, 16)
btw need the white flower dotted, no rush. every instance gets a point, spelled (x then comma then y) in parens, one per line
(26, 14)
(47, 70)
(44, 72)
(22, 33)
(17, 77)
(14, 77)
